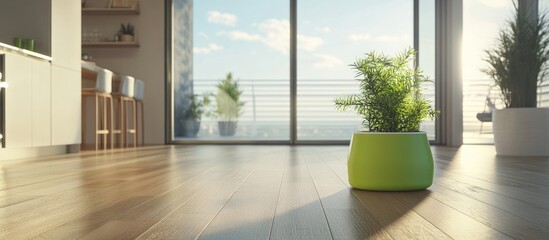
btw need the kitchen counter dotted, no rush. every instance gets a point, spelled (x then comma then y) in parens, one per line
(89, 75)
(24, 52)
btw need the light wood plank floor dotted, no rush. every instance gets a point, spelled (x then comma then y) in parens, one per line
(266, 192)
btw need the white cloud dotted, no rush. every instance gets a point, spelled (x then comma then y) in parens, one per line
(309, 43)
(380, 38)
(323, 29)
(496, 3)
(326, 61)
(275, 33)
(222, 18)
(387, 38)
(206, 50)
(239, 35)
(360, 37)
(204, 35)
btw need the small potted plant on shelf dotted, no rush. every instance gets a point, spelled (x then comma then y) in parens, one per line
(392, 155)
(518, 64)
(127, 33)
(229, 105)
(197, 107)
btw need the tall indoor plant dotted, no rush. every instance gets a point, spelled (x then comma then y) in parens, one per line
(393, 154)
(229, 105)
(517, 64)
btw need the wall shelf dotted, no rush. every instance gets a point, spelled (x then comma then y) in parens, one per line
(111, 44)
(110, 11)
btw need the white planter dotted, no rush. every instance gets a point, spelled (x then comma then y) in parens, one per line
(521, 131)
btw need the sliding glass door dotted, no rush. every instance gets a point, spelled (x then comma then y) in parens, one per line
(482, 20)
(231, 63)
(237, 86)
(330, 36)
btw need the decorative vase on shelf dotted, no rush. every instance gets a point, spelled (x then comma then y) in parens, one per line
(126, 38)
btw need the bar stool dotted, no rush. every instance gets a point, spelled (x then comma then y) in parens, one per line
(103, 120)
(139, 95)
(125, 97)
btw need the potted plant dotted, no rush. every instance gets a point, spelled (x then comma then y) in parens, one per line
(392, 155)
(198, 106)
(127, 32)
(229, 105)
(517, 64)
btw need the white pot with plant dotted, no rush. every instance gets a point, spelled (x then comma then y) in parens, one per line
(391, 154)
(518, 64)
(229, 105)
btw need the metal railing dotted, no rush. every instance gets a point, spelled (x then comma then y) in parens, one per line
(266, 114)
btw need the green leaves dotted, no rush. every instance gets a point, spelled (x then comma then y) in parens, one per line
(126, 29)
(228, 99)
(518, 61)
(198, 106)
(390, 98)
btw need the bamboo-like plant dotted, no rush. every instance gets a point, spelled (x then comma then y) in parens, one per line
(517, 63)
(229, 105)
(127, 29)
(390, 98)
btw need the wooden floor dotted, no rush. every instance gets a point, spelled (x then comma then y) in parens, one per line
(266, 192)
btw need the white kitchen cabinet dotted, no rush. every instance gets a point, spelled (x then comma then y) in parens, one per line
(66, 34)
(66, 106)
(41, 103)
(28, 101)
(18, 102)
(66, 72)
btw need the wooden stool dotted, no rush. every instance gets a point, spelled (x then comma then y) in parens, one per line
(103, 118)
(125, 98)
(139, 94)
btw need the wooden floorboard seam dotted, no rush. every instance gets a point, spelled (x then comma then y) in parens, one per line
(496, 207)
(319, 198)
(434, 224)
(224, 204)
(175, 187)
(276, 205)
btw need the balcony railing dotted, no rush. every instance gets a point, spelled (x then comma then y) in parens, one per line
(266, 114)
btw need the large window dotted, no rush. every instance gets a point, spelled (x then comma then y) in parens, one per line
(426, 57)
(248, 40)
(330, 37)
(251, 40)
(482, 21)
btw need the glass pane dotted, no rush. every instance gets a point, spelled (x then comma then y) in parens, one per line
(331, 35)
(250, 40)
(426, 55)
(543, 91)
(481, 22)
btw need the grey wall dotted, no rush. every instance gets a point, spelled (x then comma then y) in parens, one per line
(26, 19)
(145, 62)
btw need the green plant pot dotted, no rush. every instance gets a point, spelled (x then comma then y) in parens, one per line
(390, 161)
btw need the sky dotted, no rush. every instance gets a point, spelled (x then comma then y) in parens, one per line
(253, 41)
